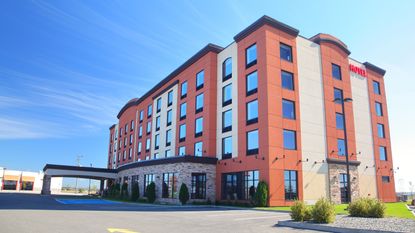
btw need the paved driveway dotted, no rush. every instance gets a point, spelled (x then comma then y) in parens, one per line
(35, 213)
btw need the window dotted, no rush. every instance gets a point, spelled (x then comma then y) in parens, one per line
(158, 123)
(169, 117)
(182, 133)
(130, 153)
(227, 69)
(169, 189)
(139, 148)
(149, 110)
(344, 194)
(286, 52)
(147, 144)
(382, 153)
(289, 140)
(199, 103)
(338, 95)
(157, 142)
(200, 79)
(252, 142)
(141, 115)
(199, 127)
(183, 92)
(336, 72)
(158, 104)
(183, 108)
(339, 121)
(156, 155)
(288, 109)
(227, 148)
(120, 132)
(251, 179)
(125, 142)
(126, 129)
(131, 139)
(198, 189)
(167, 153)
(251, 83)
(376, 88)
(169, 98)
(231, 189)
(132, 126)
(290, 185)
(341, 147)
(140, 131)
(148, 179)
(168, 137)
(287, 80)
(198, 149)
(385, 179)
(124, 155)
(252, 112)
(378, 107)
(226, 95)
(251, 57)
(227, 121)
(148, 127)
(381, 131)
(182, 151)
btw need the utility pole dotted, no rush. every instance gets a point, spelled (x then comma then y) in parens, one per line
(78, 163)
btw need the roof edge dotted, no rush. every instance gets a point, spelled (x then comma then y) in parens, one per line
(318, 39)
(374, 68)
(77, 168)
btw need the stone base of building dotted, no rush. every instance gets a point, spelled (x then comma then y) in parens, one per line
(336, 168)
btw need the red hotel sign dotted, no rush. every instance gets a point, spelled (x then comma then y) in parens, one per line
(357, 70)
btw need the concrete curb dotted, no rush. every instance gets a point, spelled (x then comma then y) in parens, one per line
(322, 227)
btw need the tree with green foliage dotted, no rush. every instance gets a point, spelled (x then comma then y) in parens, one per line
(151, 192)
(135, 192)
(261, 194)
(183, 194)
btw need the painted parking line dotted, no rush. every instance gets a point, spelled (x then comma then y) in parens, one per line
(85, 202)
(120, 230)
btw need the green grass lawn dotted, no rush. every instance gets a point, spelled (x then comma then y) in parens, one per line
(397, 209)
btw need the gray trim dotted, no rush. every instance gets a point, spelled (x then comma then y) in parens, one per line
(341, 161)
(266, 20)
(76, 168)
(374, 68)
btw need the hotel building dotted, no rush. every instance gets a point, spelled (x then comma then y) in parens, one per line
(272, 106)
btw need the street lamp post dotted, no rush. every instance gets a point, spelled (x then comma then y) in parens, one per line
(349, 189)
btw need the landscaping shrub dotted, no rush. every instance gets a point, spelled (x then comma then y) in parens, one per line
(377, 210)
(300, 211)
(261, 194)
(135, 192)
(124, 191)
(151, 192)
(367, 207)
(323, 211)
(183, 194)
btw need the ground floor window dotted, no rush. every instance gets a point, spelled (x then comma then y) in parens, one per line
(239, 185)
(169, 189)
(251, 179)
(198, 186)
(344, 192)
(9, 185)
(27, 185)
(290, 185)
(148, 178)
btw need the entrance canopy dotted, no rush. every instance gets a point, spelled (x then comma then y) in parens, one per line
(53, 170)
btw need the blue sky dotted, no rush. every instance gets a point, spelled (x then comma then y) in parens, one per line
(67, 67)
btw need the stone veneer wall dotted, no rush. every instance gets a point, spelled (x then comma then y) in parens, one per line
(184, 171)
(334, 172)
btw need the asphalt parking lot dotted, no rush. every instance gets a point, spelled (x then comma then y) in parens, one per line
(36, 213)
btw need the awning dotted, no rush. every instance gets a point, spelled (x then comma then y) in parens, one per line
(28, 178)
(11, 177)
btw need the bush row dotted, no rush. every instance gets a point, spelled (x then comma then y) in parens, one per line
(367, 207)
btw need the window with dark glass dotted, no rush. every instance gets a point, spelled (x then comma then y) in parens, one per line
(231, 189)
(343, 181)
(336, 72)
(251, 83)
(182, 133)
(200, 79)
(376, 88)
(130, 153)
(339, 121)
(158, 123)
(251, 179)
(341, 147)
(156, 155)
(124, 155)
(132, 126)
(147, 144)
(141, 115)
(169, 117)
(183, 91)
(167, 153)
(169, 98)
(148, 127)
(139, 148)
(385, 179)
(382, 153)
(252, 142)
(198, 189)
(227, 95)
(149, 110)
(287, 80)
(290, 142)
(252, 112)
(288, 109)
(199, 103)
(126, 129)
(183, 109)
(168, 137)
(378, 107)
(199, 127)
(182, 151)
(148, 179)
(131, 139)
(140, 131)
(157, 142)
(338, 95)
(227, 69)
(199, 149)
(158, 104)
(290, 185)
(227, 148)
(227, 121)
(286, 52)
(381, 131)
(251, 56)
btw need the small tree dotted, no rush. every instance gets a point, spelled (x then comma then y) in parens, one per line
(151, 192)
(261, 194)
(135, 192)
(183, 194)
(324, 211)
